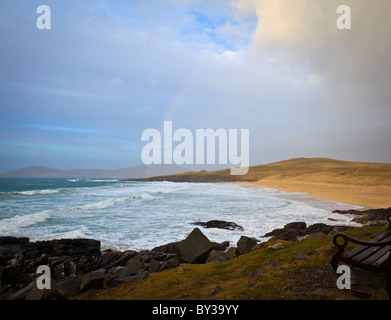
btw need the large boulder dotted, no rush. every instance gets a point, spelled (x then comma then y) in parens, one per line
(134, 266)
(195, 248)
(245, 244)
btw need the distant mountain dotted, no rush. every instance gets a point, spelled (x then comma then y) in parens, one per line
(142, 171)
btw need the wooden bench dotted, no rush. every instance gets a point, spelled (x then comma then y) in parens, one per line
(373, 255)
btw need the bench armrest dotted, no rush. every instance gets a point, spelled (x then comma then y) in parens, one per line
(347, 238)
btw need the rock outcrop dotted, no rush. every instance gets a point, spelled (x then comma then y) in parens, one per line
(298, 230)
(220, 224)
(371, 217)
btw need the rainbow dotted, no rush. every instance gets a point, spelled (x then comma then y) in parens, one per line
(175, 105)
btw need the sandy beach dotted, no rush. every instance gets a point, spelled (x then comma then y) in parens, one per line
(366, 184)
(364, 196)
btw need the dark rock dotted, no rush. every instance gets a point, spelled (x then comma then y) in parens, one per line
(134, 266)
(231, 253)
(295, 230)
(299, 257)
(44, 294)
(22, 293)
(215, 291)
(93, 280)
(137, 277)
(314, 228)
(245, 244)
(254, 274)
(154, 266)
(11, 272)
(296, 225)
(116, 259)
(13, 241)
(216, 255)
(313, 253)
(219, 224)
(258, 246)
(371, 217)
(167, 248)
(195, 248)
(220, 246)
(69, 286)
(169, 264)
(197, 282)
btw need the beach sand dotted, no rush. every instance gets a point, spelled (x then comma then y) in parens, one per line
(359, 195)
(365, 184)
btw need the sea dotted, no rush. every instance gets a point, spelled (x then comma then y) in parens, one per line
(142, 215)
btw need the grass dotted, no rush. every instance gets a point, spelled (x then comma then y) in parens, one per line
(281, 277)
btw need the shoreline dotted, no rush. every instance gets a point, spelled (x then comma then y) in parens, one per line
(365, 197)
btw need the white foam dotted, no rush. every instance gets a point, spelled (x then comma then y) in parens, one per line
(112, 202)
(35, 192)
(74, 234)
(15, 223)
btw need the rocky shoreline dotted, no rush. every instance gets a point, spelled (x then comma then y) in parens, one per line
(79, 265)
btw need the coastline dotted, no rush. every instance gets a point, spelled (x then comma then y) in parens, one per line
(367, 197)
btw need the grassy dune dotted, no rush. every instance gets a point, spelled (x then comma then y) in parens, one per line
(365, 184)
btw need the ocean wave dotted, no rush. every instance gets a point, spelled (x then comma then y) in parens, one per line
(93, 180)
(36, 192)
(15, 223)
(82, 232)
(112, 202)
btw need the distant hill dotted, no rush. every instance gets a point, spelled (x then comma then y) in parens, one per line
(322, 170)
(141, 171)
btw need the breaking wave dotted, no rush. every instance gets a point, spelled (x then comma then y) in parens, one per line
(112, 202)
(15, 223)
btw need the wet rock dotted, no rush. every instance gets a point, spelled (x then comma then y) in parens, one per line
(296, 225)
(220, 224)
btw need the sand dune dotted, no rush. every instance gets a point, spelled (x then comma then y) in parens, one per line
(360, 183)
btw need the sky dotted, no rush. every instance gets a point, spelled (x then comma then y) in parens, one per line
(80, 94)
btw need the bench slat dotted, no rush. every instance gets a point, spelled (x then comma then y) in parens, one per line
(372, 260)
(361, 249)
(383, 260)
(366, 254)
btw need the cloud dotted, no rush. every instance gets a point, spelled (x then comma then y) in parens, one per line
(304, 31)
(280, 68)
